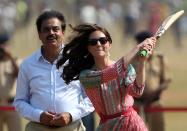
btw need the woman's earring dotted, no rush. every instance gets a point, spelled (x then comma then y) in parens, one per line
(86, 56)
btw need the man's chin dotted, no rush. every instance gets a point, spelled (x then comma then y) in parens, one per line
(51, 43)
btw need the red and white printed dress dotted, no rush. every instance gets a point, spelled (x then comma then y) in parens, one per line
(111, 91)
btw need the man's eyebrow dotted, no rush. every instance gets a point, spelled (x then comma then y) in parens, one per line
(52, 26)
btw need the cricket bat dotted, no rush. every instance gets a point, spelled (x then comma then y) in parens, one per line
(164, 26)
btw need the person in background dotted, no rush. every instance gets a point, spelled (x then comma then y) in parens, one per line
(154, 15)
(42, 96)
(157, 80)
(110, 85)
(132, 15)
(8, 76)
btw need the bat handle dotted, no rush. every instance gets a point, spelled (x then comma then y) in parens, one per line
(143, 53)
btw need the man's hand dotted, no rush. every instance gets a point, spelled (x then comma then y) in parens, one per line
(46, 118)
(61, 119)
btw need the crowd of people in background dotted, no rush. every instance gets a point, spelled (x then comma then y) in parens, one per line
(130, 15)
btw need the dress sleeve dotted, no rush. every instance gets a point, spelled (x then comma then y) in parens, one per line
(92, 78)
(130, 82)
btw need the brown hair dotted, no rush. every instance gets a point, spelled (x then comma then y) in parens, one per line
(76, 52)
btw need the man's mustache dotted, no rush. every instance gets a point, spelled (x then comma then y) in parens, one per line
(49, 37)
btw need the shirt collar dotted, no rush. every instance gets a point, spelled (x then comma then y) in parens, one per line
(39, 55)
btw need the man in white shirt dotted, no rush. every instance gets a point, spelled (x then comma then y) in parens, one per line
(42, 95)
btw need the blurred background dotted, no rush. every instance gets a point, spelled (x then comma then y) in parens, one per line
(122, 18)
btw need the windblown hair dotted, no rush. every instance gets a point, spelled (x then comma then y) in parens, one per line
(76, 57)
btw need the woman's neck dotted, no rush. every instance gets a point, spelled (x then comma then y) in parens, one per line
(103, 63)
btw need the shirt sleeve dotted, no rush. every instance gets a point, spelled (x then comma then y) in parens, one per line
(84, 107)
(92, 78)
(130, 82)
(21, 101)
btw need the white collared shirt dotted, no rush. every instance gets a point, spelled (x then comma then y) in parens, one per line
(40, 88)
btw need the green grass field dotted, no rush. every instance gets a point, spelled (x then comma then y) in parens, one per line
(26, 41)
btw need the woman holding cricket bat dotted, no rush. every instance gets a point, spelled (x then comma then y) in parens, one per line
(110, 85)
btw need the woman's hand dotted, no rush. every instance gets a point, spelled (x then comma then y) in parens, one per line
(148, 45)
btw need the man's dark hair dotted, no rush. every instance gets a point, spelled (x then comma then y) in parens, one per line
(4, 37)
(50, 14)
(141, 36)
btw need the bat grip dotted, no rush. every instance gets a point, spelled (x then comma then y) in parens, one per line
(143, 52)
